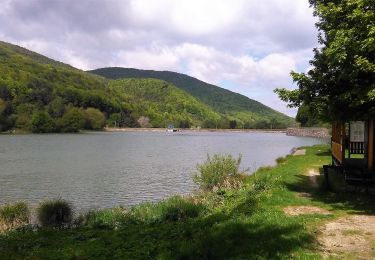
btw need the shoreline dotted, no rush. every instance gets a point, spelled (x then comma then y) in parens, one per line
(186, 220)
(203, 130)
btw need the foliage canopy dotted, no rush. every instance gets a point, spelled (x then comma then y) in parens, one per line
(341, 84)
(230, 106)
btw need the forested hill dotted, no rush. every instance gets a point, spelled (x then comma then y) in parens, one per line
(39, 94)
(221, 100)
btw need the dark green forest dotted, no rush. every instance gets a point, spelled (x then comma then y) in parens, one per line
(40, 95)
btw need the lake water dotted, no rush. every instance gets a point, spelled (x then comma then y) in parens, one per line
(125, 168)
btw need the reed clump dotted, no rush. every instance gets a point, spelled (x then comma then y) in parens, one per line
(13, 216)
(54, 213)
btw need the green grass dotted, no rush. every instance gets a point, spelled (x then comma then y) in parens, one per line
(13, 215)
(247, 222)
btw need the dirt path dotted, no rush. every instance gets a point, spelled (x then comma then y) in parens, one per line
(351, 237)
(299, 152)
(301, 210)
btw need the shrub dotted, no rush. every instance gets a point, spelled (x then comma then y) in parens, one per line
(14, 215)
(280, 160)
(172, 209)
(216, 170)
(94, 119)
(103, 218)
(72, 120)
(55, 213)
(178, 208)
(41, 122)
(264, 182)
(114, 120)
(145, 212)
(57, 107)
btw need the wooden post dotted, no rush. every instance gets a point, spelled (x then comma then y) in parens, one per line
(326, 178)
(370, 145)
(343, 137)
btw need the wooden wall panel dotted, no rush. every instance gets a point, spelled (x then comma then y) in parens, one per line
(337, 151)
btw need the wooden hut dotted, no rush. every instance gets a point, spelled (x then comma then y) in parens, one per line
(353, 146)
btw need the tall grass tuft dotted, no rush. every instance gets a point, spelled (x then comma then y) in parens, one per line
(178, 208)
(54, 213)
(13, 215)
(173, 209)
(219, 170)
(280, 160)
(103, 218)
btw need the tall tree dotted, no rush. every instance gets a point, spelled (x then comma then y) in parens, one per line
(341, 84)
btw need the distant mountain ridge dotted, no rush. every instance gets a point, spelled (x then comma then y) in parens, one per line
(39, 94)
(221, 100)
(11, 48)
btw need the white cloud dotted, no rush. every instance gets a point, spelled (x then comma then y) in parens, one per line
(212, 65)
(188, 17)
(250, 43)
(157, 58)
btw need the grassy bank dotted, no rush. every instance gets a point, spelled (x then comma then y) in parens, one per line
(225, 222)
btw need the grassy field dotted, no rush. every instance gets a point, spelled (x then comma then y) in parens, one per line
(242, 223)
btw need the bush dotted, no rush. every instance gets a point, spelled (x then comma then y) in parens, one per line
(57, 107)
(216, 170)
(178, 208)
(145, 213)
(94, 118)
(280, 160)
(6, 123)
(264, 182)
(173, 209)
(14, 215)
(114, 120)
(72, 121)
(104, 218)
(41, 122)
(55, 213)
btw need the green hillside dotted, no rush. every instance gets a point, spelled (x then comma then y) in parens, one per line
(162, 103)
(42, 95)
(231, 105)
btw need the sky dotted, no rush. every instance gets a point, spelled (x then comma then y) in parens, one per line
(246, 46)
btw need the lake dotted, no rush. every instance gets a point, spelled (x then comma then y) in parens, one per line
(103, 169)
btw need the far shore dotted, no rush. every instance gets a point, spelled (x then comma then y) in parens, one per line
(129, 129)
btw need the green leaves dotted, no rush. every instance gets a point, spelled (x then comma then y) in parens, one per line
(72, 121)
(41, 122)
(291, 96)
(342, 80)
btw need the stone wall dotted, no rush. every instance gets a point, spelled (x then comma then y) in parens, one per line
(309, 132)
